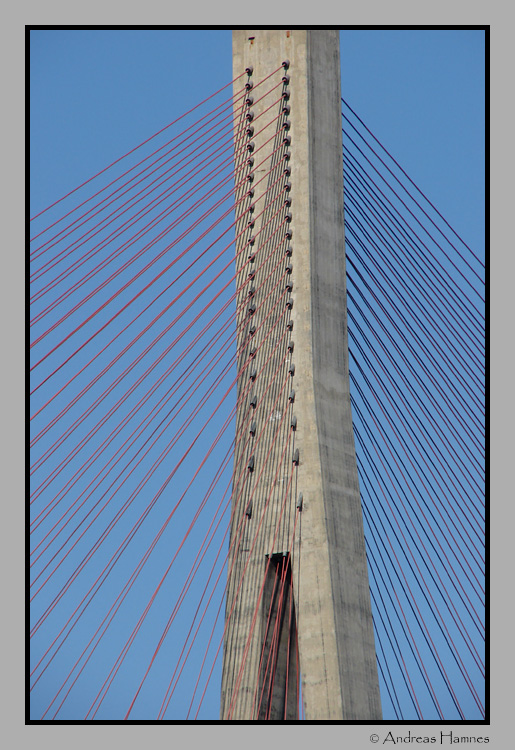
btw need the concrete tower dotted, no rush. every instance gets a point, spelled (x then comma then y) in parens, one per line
(298, 602)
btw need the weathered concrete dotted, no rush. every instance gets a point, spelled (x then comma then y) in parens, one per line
(331, 605)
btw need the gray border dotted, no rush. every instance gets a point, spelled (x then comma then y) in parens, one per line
(405, 12)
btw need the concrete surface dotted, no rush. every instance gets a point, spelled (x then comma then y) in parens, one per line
(325, 541)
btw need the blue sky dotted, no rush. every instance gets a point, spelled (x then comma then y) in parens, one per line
(96, 94)
(421, 90)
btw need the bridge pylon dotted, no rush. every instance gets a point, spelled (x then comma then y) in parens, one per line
(298, 604)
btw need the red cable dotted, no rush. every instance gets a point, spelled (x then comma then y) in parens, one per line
(235, 501)
(241, 580)
(67, 623)
(131, 241)
(47, 453)
(128, 585)
(143, 143)
(174, 281)
(166, 374)
(133, 577)
(240, 530)
(127, 187)
(117, 213)
(240, 674)
(86, 388)
(156, 385)
(260, 326)
(89, 525)
(170, 369)
(135, 148)
(120, 597)
(140, 486)
(183, 179)
(290, 619)
(154, 222)
(163, 577)
(136, 408)
(194, 157)
(185, 589)
(275, 651)
(265, 636)
(132, 637)
(142, 517)
(124, 266)
(52, 449)
(250, 551)
(91, 273)
(233, 545)
(165, 398)
(98, 451)
(140, 173)
(176, 607)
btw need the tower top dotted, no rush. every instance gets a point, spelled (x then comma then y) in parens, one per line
(291, 101)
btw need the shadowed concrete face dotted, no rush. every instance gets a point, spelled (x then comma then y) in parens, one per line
(324, 608)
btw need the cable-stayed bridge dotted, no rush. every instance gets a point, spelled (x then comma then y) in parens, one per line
(138, 302)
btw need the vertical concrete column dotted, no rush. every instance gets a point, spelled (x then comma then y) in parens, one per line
(263, 501)
(329, 570)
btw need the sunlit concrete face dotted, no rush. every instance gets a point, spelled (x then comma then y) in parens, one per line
(330, 601)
